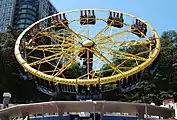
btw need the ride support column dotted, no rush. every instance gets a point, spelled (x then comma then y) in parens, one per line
(102, 112)
(25, 115)
(60, 113)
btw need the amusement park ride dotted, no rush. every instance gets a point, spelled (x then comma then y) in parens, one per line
(88, 52)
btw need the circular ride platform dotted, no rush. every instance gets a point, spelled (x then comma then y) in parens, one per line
(57, 108)
(88, 51)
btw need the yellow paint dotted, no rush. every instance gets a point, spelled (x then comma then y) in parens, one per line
(88, 43)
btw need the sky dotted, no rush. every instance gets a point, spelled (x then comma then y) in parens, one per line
(161, 14)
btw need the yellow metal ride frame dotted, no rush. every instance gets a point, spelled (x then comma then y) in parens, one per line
(105, 44)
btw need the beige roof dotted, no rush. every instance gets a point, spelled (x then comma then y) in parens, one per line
(85, 106)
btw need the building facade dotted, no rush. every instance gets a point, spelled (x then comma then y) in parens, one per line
(7, 8)
(22, 13)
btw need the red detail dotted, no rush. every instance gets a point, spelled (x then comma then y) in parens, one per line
(168, 99)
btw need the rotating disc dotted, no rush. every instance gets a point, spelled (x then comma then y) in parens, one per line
(90, 46)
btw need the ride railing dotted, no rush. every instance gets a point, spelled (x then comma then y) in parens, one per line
(46, 90)
(73, 108)
(87, 92)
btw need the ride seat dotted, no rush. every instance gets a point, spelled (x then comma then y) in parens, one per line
(34, 30)
(60, 22)
(135, 78)
(135, 30)
(124, 83)
(139, 28)
(119, 21)
(87, 18)
(153, 41)
(115, 20)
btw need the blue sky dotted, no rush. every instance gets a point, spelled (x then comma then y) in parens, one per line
(161, 14)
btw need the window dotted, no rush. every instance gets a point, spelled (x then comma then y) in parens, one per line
(21, 21)
(24, 6)
(5, 28)
(8, 14)
(21, 26)
(22, 16)
(34, 8)
(31, 12)
(23, 11)
(29, 21)
(29, 6)
(26, 26)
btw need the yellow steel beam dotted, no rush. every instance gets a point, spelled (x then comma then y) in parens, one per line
(101, 80)
(45, 59)
(99, 55)
(57, 37)
(127, 55)
(102, 31)
(113, 35)
(127, 43)
(66, 65)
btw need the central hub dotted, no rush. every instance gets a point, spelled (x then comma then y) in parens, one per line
(88, 43)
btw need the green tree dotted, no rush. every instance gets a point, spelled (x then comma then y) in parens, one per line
(154, 87)
(11, 77)
(161, 84)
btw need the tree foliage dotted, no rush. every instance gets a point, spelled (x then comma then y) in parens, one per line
(155, 87)
(11, 77)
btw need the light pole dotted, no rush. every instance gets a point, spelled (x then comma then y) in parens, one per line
(6, 99)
